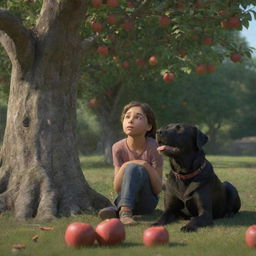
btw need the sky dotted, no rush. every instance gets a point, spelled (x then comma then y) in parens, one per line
(250, 34)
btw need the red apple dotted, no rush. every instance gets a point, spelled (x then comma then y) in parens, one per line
(128, 25)
(208, 40)
(164, 21)
(96, 27)
(250, 236)
(140, 62)
(110, 232)
(182, 53)
(168, 77)
(112, 19)
(235, 57)
(102, 50)
(180, 5)
(125, 64)
(79, 234)
(92, 103)
(234, 22)
(201, 69)
(152, 60)
(155, 236)
(112, 3)
(130, 4)
(96, 3)
(211, 68)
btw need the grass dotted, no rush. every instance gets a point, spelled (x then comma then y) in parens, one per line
(224, 239)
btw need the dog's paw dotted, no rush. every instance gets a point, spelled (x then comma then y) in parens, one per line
(189, 228)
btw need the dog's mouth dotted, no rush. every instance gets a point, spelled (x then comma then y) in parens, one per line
(167, 150)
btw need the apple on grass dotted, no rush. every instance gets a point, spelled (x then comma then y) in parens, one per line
(79, 234)
(250, 236)
(110, 232)
(154, 236)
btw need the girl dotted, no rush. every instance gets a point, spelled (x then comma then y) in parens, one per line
(138, 165)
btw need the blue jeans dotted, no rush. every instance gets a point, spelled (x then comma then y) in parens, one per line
(136, 192)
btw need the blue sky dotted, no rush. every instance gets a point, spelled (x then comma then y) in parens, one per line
(250, 34)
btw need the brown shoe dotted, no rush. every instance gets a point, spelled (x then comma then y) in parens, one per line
(126, 218)
(108, 213)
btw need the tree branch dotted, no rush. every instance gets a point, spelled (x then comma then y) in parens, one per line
(16, 39)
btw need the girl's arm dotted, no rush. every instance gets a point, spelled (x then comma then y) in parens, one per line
(119, 172)
(155, 176)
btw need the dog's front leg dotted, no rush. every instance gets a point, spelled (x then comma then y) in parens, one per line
(166, 218)
(200, 206)
(172, 209)
(196, 222)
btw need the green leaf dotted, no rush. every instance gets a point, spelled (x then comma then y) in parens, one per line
(246, 23)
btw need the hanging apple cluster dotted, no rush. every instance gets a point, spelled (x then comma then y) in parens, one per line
(196, 33)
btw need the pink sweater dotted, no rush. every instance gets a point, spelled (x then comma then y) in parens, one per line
(121, 153)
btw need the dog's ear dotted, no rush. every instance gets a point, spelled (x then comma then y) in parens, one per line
(201, 138)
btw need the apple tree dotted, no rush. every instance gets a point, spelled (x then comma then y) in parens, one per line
(159, 41)
(40, 173)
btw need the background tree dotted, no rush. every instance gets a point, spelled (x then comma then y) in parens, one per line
(187, 36)
(40, 174)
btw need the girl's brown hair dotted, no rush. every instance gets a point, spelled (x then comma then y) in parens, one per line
(148, 112)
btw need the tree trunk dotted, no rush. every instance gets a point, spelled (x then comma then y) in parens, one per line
(40, 174)
(108, 113)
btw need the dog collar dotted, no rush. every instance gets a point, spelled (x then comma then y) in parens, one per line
(190, 175)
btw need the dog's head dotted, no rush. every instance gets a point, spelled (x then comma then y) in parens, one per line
(175, 139)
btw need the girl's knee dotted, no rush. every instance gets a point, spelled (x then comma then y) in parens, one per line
(135, 169)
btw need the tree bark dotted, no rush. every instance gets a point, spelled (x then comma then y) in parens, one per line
(40, 174)
(108, 113)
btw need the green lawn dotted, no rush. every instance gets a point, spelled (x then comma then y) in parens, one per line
(225, 238)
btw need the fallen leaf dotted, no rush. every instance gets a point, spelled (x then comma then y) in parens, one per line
(46, 228)
(18, 246)
(35, 238)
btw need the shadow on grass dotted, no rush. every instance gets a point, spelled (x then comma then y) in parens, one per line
(243, 218)
(132, 244)
(149, 219)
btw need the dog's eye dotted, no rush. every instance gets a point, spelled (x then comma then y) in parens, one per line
(178, 127)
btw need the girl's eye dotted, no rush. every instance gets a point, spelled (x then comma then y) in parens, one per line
(126, 117)
(139, 117)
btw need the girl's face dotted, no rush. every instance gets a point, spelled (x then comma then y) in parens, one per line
(135, 122)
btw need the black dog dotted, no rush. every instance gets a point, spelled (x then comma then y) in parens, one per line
(193, 191)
